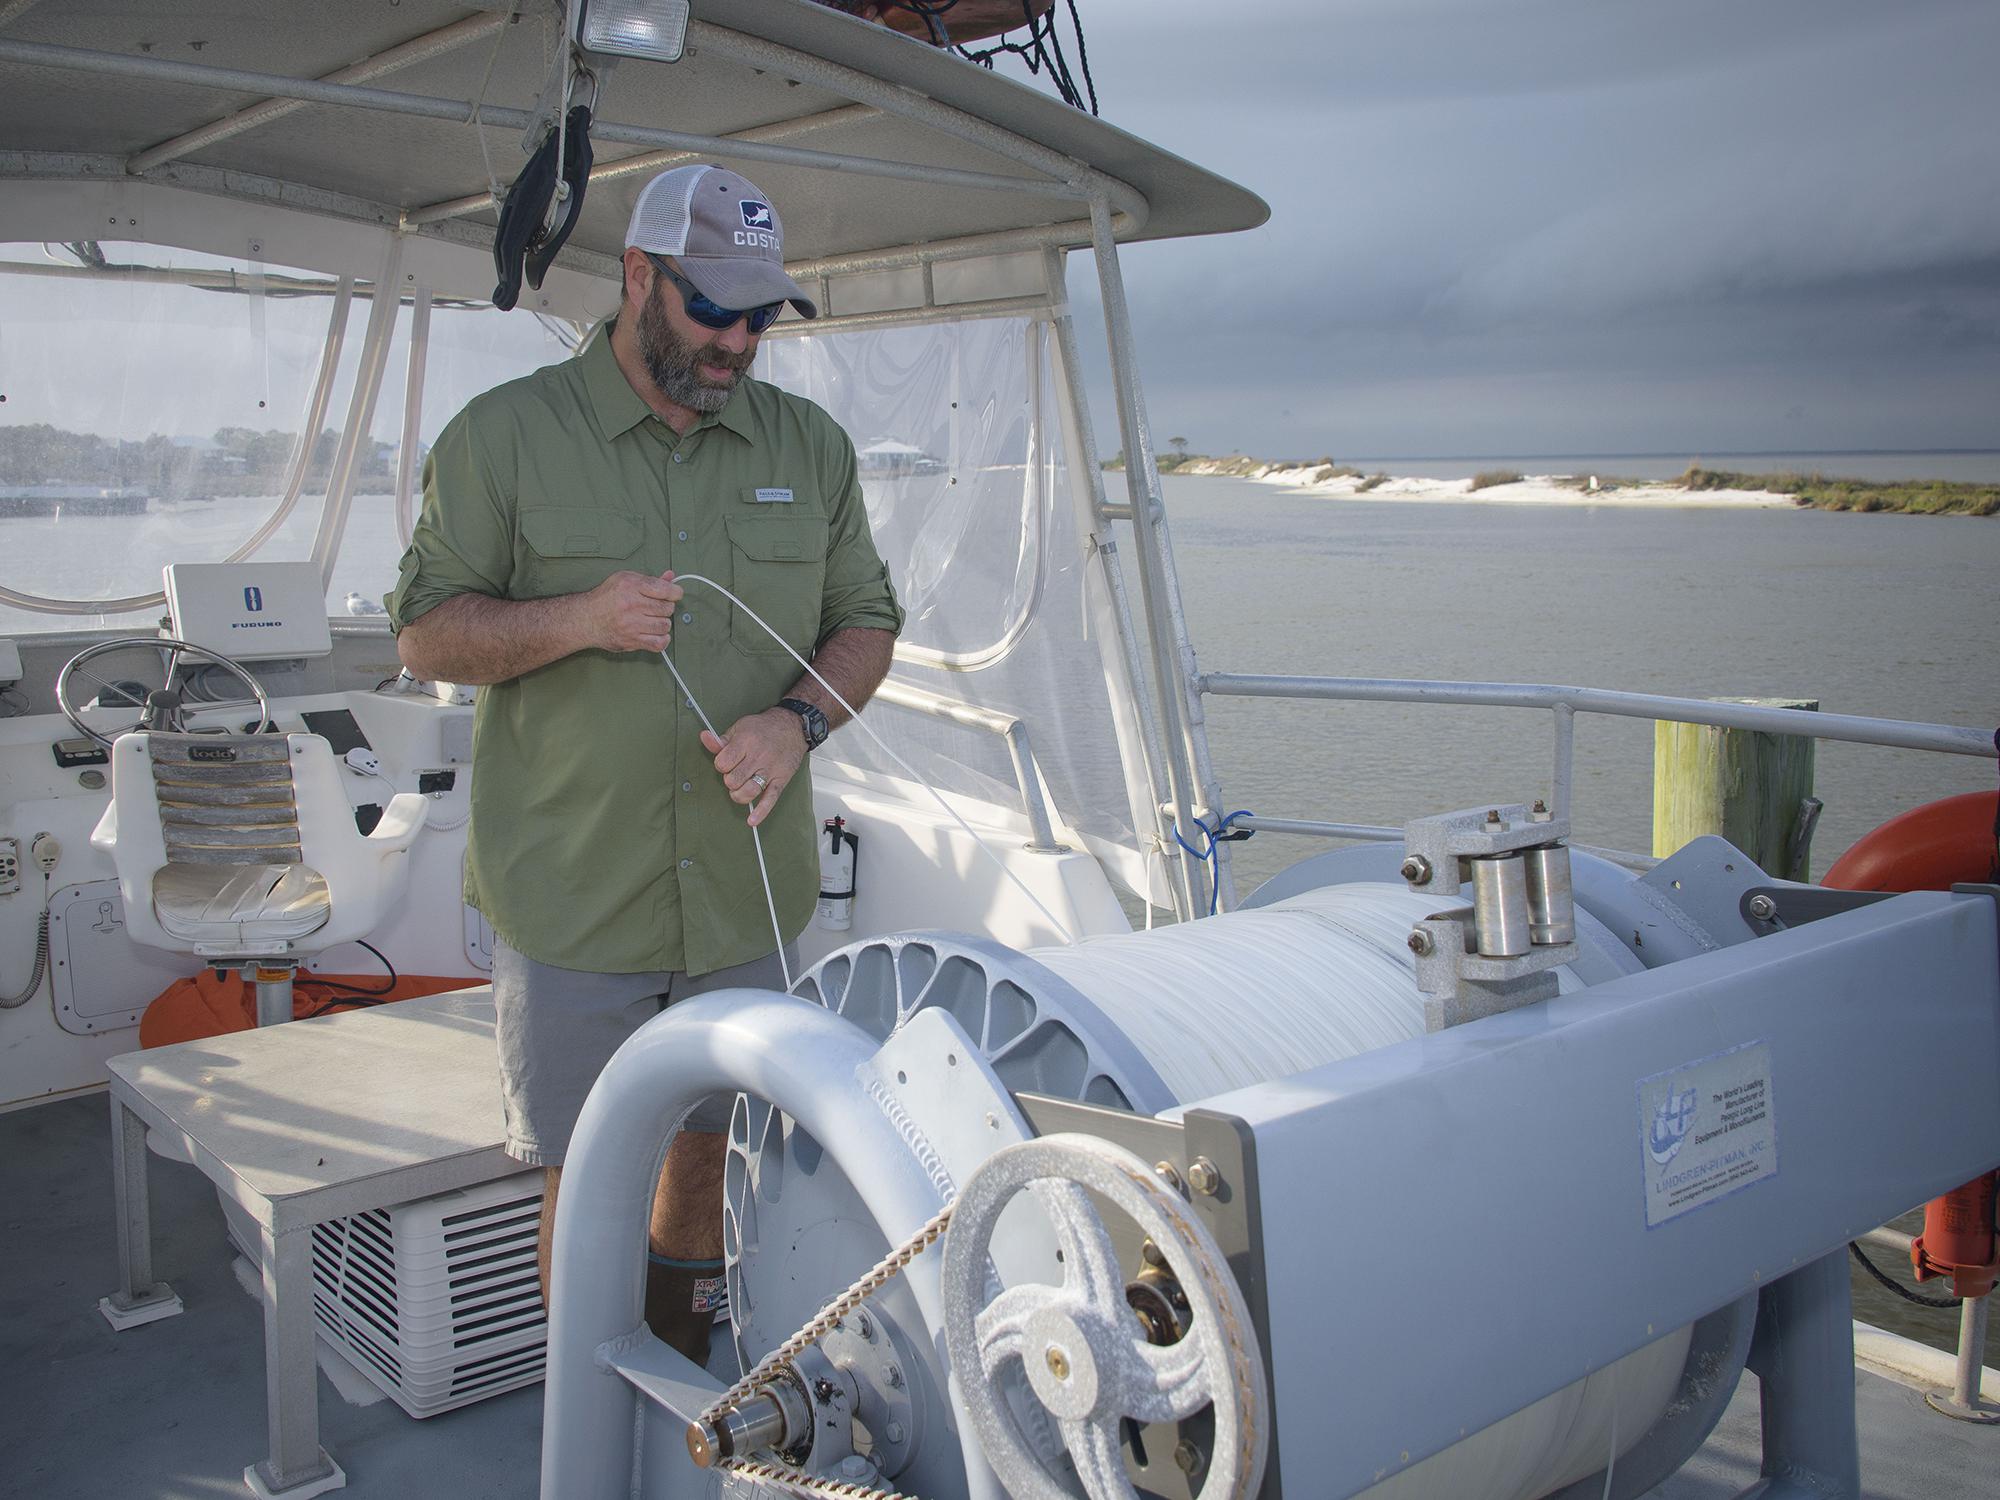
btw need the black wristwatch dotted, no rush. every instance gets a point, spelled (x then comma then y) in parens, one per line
(811, 720)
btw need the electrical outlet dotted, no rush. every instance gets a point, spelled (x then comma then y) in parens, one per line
(45, 851)
(10, 866)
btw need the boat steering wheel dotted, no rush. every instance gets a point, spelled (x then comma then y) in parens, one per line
(160, 707)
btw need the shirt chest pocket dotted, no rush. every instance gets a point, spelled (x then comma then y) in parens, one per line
(778, 568)
(570, 549)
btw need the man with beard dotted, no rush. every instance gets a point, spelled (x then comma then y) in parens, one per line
(607, 846)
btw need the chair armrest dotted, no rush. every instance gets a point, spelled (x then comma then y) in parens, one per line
(400, 823)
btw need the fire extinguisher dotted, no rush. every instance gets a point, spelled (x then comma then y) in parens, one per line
(839, 857)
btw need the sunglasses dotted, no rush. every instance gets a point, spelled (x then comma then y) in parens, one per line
(713, 314)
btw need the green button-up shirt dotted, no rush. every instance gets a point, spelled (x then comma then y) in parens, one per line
(602, 838)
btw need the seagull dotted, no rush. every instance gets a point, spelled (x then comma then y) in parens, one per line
(357, 605)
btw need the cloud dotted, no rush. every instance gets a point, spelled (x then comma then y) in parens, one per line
(1647, 217)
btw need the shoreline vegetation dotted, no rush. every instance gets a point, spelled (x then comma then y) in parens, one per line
(1698, 486)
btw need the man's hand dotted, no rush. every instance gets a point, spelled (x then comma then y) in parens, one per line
(771, 745)
(632, 612)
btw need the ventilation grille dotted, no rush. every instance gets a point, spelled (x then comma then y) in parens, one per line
(437, 1301)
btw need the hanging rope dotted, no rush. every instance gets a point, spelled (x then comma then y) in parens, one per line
(1896, 1286)
(1041, 48)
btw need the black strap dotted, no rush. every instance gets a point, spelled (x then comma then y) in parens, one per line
(521, 220)
(577, 158)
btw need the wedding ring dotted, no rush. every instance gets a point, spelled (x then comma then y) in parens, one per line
(761, 780)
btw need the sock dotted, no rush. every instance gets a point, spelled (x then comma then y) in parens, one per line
(681, 1299)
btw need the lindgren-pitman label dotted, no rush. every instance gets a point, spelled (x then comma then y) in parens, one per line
(1707, 1129)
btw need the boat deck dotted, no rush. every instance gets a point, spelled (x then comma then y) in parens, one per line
(175, 1410)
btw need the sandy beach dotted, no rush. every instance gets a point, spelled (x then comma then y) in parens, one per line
(1531, 489)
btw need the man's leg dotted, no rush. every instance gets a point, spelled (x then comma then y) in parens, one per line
(556, 1030)
(685, 1266)
(545, 1239)
(684, 1270)
(684, 1282)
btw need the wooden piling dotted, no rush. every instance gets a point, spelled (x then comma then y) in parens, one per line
(1753, 788)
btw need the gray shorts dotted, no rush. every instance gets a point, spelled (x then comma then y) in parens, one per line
(558, 1028)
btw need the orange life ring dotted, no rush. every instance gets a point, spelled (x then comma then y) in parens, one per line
(963, 20)
(1929, 848)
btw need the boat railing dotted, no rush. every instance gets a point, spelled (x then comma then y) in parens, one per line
(1010, 728)
(1972, 1319)
(1563, 704)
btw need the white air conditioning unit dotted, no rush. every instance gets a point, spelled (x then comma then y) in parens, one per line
(437, 1301)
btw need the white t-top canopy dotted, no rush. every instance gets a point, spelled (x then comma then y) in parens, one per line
(870, 141)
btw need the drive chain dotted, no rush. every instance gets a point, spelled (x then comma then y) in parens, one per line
(771, 1368)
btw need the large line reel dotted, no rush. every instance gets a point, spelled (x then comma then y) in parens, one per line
(1099, 1340)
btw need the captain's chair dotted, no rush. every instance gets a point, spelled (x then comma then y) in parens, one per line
(243, 850)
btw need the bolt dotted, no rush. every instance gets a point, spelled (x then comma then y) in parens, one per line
(1763, 908)
(1417, 870)
(1539, 813)
(992, 1120)
(1203, 1177)
(1421, 943)
(1058, 1362)
(1187, 1458)
(1164, 1170)
(1150, 1254)
(895, 1377)
(1494, 822)
(894, 1433)
(867, 1328)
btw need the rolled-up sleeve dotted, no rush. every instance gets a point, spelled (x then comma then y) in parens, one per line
(463, 542)
(857, 591)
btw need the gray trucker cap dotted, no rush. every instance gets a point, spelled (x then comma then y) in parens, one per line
(723, 234)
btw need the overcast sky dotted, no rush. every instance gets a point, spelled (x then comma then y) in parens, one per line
(1569, 226)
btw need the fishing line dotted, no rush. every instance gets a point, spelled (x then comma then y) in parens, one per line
(756, 837)
(854, 715)
(1332, 980)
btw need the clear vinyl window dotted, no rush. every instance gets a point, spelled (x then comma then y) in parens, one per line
(468, 347)
(958, 434)
(155, 400)
(156, 403)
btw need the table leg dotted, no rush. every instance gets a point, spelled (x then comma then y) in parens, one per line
(139, 1299)
(298, 1467)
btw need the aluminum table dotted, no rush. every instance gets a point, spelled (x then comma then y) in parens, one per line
(295, 1124)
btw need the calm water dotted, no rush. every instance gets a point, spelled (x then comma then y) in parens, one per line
(1871, 614)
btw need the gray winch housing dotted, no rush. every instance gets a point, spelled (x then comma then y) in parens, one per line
(1516, 1126)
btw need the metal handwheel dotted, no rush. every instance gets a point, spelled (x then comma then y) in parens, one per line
(162, 706)
(1086, 1358)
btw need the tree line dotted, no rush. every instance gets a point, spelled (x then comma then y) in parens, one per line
(234, 461)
